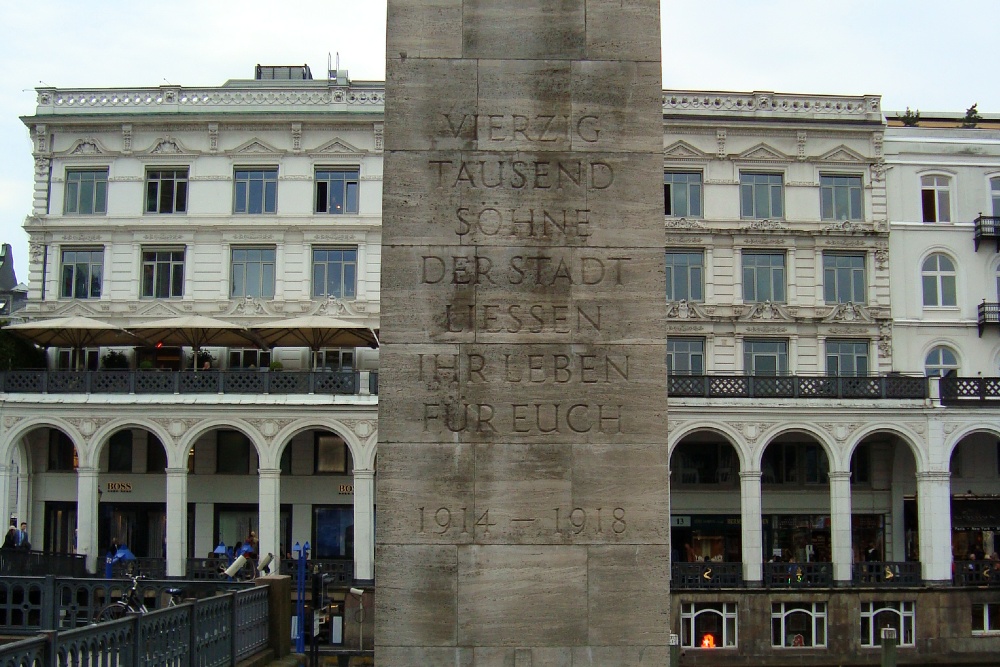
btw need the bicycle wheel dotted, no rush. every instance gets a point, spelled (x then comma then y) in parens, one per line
(111, 612)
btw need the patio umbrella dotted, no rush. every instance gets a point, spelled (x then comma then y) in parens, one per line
(316, 332)
(76, 332)
(194, 331)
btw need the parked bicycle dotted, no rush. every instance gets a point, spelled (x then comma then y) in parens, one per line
(131, 602)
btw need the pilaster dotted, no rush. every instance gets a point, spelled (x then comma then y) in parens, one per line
(752, 530)
(840, 524)
(177, 484)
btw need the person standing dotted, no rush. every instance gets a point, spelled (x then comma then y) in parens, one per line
(22, 537)
(10, 540)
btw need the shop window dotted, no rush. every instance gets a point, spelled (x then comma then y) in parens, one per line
(798, 624)
(705, 463)
(331, 454)
(62, 453)
(166, 190)
(868, 537)
(120, 452)
(233, 453)
(338, 359)
(986, 618)
(685, 275)
(82, 274)
(708, 625)
(86, 191)
(337, 191)
(876, 616)
(333, 531)
(156, 455)
(685, 356)
(682, 194)
(72, 359)
(840, 197)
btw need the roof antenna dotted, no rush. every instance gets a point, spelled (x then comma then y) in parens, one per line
(329, 64)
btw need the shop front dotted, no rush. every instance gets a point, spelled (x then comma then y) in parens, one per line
(975, 523)
(798, 538)
(706, 537)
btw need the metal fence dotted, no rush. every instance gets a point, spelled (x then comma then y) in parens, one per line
(706, 575)
(970, 391)
(216, 631)
(14, 562)
(798, 575)
(976, 573)
(797, 386)
(877, 573)
(182, 382)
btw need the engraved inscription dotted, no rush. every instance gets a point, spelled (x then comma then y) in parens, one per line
(557, 521)
(536, 318)
(524, 175)
(540, 128)
(517, 368)
(536, 418)
(538, 269)
(528, 223)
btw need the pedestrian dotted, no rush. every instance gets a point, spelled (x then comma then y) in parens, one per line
(10, 541)
(22, 537)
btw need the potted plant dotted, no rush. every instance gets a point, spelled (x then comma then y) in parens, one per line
(114, 360)
(276, 365)
(146, 365)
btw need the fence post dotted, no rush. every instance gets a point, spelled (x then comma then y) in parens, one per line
(50, 610)
(193, 635)
(49, 657)
(232, 628)
(888, 647)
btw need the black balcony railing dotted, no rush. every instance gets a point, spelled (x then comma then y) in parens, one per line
(796, 386)
(798, 575)
(989, 313)
(972, 392)
(976, 573)
(887, 574)
(987, 227)
(183, 382)
(706, 575)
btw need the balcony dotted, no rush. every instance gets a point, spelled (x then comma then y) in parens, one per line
(989, 313)
(184, 382)
(706, 575)
(976, 573)
(798, 575)
(797, 386)
(970, 391)
(987, 227)
(887, 574)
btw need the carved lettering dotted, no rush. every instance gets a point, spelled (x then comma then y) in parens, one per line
(538, 269)
(557, 521)
(529, 223)
(521, 175)
(533, 318)
(536, 418)
(500, 128)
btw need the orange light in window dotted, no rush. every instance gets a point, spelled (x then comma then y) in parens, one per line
(708, 641)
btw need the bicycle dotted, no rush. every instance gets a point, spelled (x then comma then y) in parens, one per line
(131, 602)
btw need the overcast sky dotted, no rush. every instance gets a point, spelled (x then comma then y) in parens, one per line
(927, 55)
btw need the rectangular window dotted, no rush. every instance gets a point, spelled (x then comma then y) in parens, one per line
(82, 274)
(682, 194)
(162, 273)
(986, 618)
(255, 191)
(763, 277)
(840, 198)
(844, 278)
(685, 356)
(75, 359)
(846, 357)
(339, 359)
(252, 272)
(875, 616)
(798, 624)
(935, 198)
(156, 455)
(337, 190)
(86, 191)
(232, 456)
(761, 196)
(166, 190)
(62, 453)
(249, 358)
(331, 454)
(765, 356)
(708, 624)
(335, 272)
(685, 275)
(861, 464)
(120, 452)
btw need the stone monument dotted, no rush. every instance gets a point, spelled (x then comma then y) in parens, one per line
(523, 483)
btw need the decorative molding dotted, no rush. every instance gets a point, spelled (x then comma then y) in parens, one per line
(881, 259)
(763, 225)
(339, 147)
(336, 306)
(363, 428)
(127, 138)
(684, 309)
(685, 328)
(849, 312)
(843, 154)
(763, 153)
(860, 107)
(255, 147)
(379, 130)
(79, 237)
(800, 145)
(250, 236)
(683, 223)
(163, 237)
(296, 137)
(767, 311)
(213, 137)
(682, 150)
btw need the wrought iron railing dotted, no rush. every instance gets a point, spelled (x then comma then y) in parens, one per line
(798, 575)
(220, 630)
(878, 573)
(152, 568)
(183, 382)
(970, 391)
(989, 313)
(710, 574)
(797, 386)
(987, 227)
(39, 563)
(976, 573)
(337, 570)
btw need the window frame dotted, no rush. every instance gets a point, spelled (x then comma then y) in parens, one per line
(118, 460)
(150, 258)
(75, 193)
(331, 455)
(749, 355)
(232, 441)
(834, 183)
(324, 186)
(178, 192)
(688, 355)
(727, 611)
(903, 610)
(74, 267)
(345, 270)
(243, 190)
(774, 185)
(941, 367)
(986, 618)
(685, 276)
(264, 282)
(239, 356)
(677, 181)
(935, 197)
(777, 277)
(995, 195)
(817, 613)
(944, 281)
(856, 343)
(856, 278)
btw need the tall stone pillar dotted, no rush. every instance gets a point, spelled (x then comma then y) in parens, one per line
(269, 509)
(177, 541)
(24, 497)
(751, 526)
(934, 524)
(5, 504)
(364, 525)
(523, 496)
(840, 524)
(86, 515)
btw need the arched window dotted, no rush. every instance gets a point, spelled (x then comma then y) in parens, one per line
(995, 194)
(938, 277)
(935, 198)
(940, 361)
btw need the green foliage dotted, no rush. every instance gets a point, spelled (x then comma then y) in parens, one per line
(17, 353)
(972, 116)
(146, 364)
(115, 360)
(909, 118)
(204, 357)
(276, 365)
